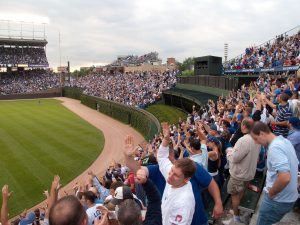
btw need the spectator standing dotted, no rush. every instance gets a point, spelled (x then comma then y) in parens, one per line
(178, 203)
(283, 114)
(280, 192)
(242, 167)
(294, 135)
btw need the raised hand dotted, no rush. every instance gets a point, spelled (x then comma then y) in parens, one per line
(55, 183)
(200, 133)
(46, 193)
(129, 149)
(150, 149)
(5, 192)
(165, 129)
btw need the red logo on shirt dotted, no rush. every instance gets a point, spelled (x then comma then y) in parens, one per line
(178, 218)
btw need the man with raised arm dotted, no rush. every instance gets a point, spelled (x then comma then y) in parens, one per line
(178, 202)
(200, 181)
(4, 209)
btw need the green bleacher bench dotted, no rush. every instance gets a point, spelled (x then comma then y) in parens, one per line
(250, 199)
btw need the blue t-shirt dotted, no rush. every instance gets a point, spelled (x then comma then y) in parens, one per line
(282, 158)
(157, 178)
(199, 181)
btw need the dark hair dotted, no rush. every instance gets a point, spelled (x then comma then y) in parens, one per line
(226, 123)
(260, 127)
(278, 83)
(79, 195)
(16, 221)
(226, 135)
(250, 104)
(194, 143)
(116, 184)
(187, 166)
(37, 216)
(248, 110)
(89, 195)
(107, 184)
(67, 210)
(284, 97)
(129, 213)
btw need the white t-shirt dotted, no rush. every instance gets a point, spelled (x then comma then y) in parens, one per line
(93, 213)
(178, 204)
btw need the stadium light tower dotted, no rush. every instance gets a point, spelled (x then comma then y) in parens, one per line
(59, 48)
(225, 51)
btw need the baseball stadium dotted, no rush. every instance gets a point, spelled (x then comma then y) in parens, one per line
(146, 140)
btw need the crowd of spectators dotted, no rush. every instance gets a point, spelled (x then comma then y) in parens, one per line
(173, 178)
(23, 55)
(31, 81)
(133, 60)
(283, 51)
(133, 89)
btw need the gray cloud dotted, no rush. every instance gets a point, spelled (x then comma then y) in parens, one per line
(98, 31)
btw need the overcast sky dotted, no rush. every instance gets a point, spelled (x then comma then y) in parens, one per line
(96, 31)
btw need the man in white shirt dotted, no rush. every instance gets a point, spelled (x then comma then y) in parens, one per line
(92, 211)
(178, 203)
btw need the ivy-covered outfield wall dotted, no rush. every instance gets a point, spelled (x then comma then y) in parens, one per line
(141, 120)
(72, 92)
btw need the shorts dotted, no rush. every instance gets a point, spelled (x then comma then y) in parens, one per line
(235, 186)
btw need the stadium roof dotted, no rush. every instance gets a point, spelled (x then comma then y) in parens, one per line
(23, 42)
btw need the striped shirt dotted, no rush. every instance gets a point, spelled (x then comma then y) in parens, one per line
(283, 114)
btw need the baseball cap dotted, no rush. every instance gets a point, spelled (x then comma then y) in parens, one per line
(214, 127)
(121, 193)
(288, 92)
(213, 139)
(295, 122)
(230, 115)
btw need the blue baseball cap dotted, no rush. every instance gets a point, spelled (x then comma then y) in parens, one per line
(288, 92)
(214, 127)
(213, 139)
(295, 122)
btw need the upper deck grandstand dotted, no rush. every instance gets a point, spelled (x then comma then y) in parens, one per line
(134, 60)
(279, 52)
(23, 60)
(22, 45)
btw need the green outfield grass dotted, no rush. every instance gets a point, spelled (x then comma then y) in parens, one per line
(165, 113)
(38, 139)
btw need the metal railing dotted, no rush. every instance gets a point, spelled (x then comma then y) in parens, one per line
(22, 30)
